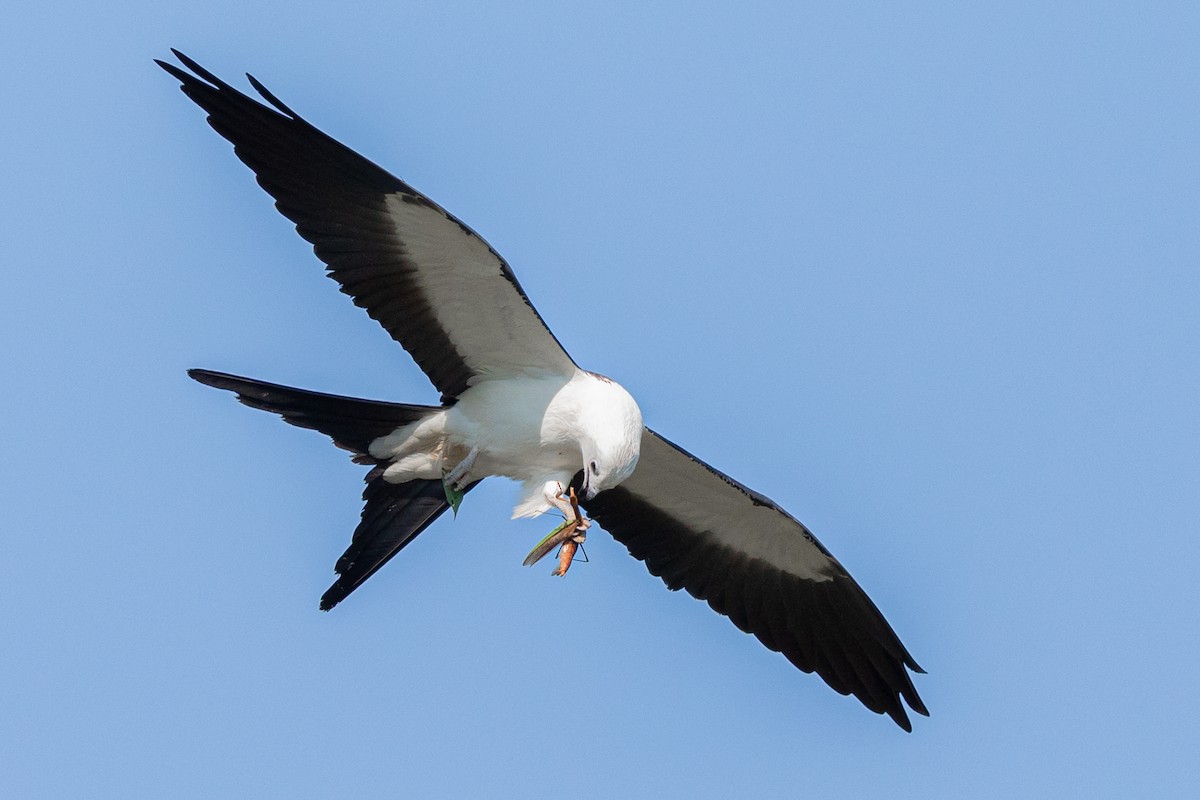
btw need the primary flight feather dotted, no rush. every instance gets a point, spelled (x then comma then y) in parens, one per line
(514, 404)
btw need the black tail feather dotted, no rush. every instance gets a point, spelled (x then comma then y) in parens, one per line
(393, 514)
(352, 423)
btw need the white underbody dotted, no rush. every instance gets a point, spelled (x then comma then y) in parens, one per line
(535, 430)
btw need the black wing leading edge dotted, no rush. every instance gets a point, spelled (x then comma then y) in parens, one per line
(438, 288)
(702, 531)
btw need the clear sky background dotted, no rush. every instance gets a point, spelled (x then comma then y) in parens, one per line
(926, 274)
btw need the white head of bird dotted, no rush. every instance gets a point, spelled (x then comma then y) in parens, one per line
(611, 436)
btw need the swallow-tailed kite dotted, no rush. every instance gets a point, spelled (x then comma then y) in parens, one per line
(514, 404)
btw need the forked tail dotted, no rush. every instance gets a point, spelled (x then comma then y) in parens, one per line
(393, 514)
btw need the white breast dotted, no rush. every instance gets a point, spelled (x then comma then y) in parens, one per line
(522, 427)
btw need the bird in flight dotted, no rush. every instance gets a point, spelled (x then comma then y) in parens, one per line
(515, 405)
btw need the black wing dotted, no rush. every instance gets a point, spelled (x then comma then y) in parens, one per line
(702, 531)
(438, 288)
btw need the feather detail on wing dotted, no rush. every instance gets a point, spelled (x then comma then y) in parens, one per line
(438, 288)
(702, 531)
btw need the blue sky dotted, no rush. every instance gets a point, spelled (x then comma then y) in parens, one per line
(925, 274)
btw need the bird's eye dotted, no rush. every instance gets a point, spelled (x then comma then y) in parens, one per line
(595, 468)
